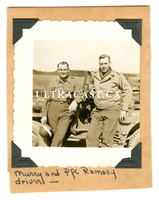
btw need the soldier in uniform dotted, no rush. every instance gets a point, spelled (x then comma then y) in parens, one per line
(59, 107)
(112, 97)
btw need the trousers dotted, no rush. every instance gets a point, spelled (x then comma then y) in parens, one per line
(59, 120)
(103, 123)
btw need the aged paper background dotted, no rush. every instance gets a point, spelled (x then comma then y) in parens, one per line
(109, 192)
(83, 183)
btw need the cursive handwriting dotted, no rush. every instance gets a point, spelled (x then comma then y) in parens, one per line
(42, 178)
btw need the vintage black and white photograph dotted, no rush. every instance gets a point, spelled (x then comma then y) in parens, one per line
(81, 92)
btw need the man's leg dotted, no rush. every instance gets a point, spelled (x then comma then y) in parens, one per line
(94, 131)
(53, 115)
(110, 127)
(61, 130)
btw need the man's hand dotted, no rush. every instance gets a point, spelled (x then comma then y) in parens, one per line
(43, 119)
(122, 115)
(72, 106)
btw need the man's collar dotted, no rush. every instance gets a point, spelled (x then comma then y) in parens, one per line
(103, 75)
(97, 75)
(65, 80)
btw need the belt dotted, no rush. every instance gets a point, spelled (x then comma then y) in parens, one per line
(61, 102)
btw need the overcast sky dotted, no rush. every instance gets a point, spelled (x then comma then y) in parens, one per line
(80, 43)
(125, 55)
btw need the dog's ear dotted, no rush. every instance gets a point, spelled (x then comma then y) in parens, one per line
(88, 107)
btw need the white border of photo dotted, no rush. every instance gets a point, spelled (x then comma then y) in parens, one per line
(23, 83)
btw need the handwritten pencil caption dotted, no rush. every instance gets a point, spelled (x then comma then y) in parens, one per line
(44, 177)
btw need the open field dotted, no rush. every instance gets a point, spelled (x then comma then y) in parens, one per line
(41, 82)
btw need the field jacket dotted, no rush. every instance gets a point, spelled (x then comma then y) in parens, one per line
(113, 92)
